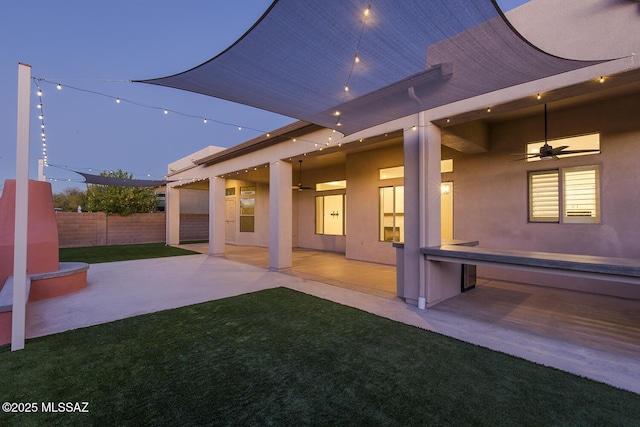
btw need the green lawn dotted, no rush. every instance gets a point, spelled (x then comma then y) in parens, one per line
(97, 254)
(279, 357)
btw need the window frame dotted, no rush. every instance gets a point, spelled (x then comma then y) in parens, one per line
(562, 193)
(319, 219)
(247, 221)
(396, 230)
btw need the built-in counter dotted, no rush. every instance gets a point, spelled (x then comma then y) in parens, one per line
(467, 272)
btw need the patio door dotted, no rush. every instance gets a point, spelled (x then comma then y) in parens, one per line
(230, 220)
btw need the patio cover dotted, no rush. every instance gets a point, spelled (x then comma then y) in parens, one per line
(414, 55)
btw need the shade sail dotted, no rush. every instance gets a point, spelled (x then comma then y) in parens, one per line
(121, 182)
(413, 55)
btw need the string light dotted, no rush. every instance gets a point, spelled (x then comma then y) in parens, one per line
(356, 60)
(45, 159)
(119, 100)
(538, 96)
(601, 79)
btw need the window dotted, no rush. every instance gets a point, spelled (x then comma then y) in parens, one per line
(573, 191)
(331, 185)
(581, 194)
(247, 209)
(392, 214)
(231, 191)
(589, 141)
(398, 171)
(330, 214)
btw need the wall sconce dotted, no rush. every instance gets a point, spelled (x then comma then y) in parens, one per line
(445, 188)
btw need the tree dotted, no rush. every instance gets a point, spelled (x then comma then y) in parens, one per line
(120, 200)
(69, 199)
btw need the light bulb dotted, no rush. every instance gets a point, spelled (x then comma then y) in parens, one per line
(59, 86)
(601, 79)
(39, 106)
(166, 111)
(346, 88)
(205, 120)
(357, 59)
(39, 92)
(117, 100)
(539, 96)
(367, 11)
(239, 127)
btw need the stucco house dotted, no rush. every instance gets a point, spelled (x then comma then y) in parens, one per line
(461, 169)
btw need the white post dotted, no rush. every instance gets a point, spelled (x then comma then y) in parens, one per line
(41, 175)
(18, 318)
(280, 215)
(172, 214)
(217, 214)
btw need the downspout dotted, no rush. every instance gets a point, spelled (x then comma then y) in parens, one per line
(422, 176)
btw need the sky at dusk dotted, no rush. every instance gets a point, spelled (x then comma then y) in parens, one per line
(99, 46)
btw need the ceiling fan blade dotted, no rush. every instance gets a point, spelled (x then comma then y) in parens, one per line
(528, 156)
(558, 150)
(579, 151)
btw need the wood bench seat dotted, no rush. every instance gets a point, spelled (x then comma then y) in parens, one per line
(594, 267)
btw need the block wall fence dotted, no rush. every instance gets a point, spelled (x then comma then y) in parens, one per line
(97, 229)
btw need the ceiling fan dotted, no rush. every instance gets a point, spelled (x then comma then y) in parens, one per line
(547, 152)
(300, 187)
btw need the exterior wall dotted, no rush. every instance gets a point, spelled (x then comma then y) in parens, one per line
(363, 183)
(194, 226)
(97, 229)
(194, 201)
(260, 237)
(306, 209)
(491, 194)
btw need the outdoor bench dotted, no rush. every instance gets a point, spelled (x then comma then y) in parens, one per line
(6, 294)
(586, 266)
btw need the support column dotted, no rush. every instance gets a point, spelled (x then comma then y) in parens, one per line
(172, 212)
(216, 216)
(439, 280)
(408, 266)
(18, 316)
(280, 215)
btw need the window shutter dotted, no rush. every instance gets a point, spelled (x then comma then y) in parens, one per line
(543, 196)
(581, 194)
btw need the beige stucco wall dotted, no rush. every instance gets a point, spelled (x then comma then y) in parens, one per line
(363, 183)
(580, 29)
(304, 214)
(194, 201)
(490, 191)
(260, 237)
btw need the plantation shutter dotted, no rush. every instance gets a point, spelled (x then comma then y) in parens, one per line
(581, 194)
(543, 196)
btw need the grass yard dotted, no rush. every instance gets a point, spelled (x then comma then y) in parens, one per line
(280, 357)
(98, 254)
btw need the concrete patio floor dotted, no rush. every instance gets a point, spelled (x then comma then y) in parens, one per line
(123, 289)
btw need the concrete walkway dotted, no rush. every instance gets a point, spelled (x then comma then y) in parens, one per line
(123, 289)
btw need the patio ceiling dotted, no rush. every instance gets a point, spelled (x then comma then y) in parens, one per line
(403, 57)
